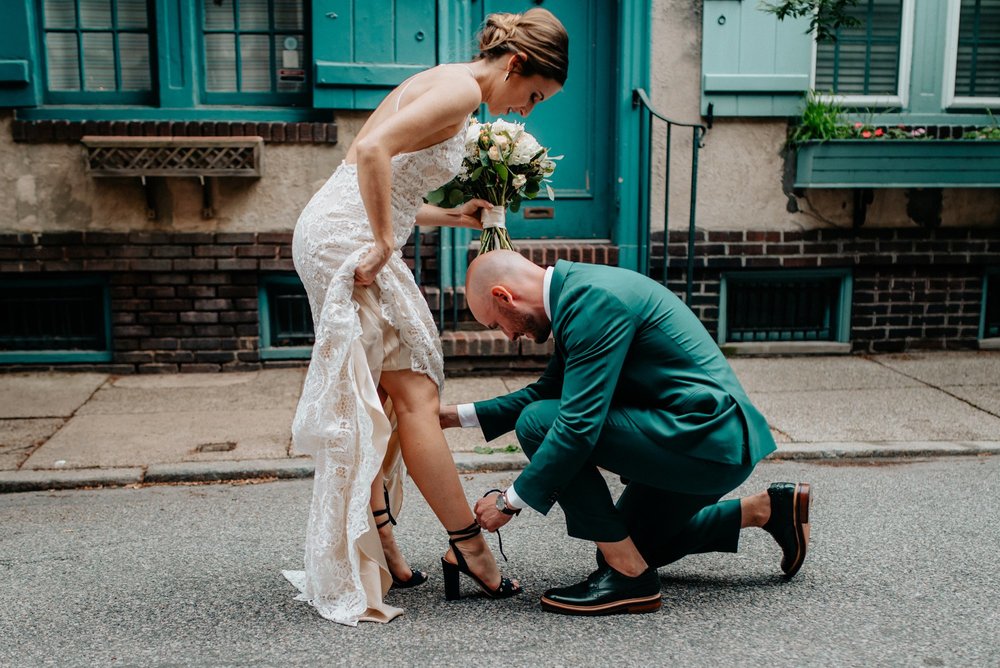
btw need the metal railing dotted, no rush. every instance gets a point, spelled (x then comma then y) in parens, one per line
(641, 99)
(450, 243)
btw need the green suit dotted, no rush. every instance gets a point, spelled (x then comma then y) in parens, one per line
(637, 387)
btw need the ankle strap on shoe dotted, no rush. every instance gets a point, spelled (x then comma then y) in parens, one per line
(384, 511)
(468, 532)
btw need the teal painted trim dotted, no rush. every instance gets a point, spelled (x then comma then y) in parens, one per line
(927, 68)
(634, 20)
(351, 75)
(19, 44)
(52, 357)
(851, 163)
(845, 297)
(298, 353)
(266, 349)
(235, 114)
(64, 356)
(755, 83)
(175, 56)
(14, 71)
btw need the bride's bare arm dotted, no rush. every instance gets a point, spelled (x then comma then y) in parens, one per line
(440, 109)
(467, 215)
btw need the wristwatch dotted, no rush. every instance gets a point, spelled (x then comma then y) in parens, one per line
(503, 507)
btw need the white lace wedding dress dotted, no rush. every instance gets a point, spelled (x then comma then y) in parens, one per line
(359, 332)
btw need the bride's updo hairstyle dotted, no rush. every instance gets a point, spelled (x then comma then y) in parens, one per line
(536, 33)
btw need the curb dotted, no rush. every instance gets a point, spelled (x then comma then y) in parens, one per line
(227, 471)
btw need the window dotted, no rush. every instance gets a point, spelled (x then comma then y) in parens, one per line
(972, 78)
(97, 51)
(177, 55)
(990, 328)
(868, 63)
(785, 306)
(286, 326)
(254, 50)
(54, 320)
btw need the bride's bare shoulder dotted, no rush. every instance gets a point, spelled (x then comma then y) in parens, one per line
(456, 82)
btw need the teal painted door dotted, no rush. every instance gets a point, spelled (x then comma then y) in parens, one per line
(577, 123)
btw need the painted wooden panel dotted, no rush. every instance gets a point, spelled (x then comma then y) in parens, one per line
(899, 164)
(752, 63)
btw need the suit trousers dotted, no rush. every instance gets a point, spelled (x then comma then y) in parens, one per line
(670, 507)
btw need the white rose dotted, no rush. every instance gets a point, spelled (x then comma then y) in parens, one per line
(524, 150)
(494, 154)
(472, 137)
(520, 180)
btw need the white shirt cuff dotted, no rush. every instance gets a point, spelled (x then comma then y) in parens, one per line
(513, 500)
(467, 415)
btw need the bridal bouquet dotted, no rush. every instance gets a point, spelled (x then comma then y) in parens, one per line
(503, 165)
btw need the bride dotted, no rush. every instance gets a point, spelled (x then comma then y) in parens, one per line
(369, 406)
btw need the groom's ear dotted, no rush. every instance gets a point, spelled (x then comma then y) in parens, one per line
(501, 294)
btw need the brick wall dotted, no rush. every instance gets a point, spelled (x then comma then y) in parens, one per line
(913, 287)
(188, 301)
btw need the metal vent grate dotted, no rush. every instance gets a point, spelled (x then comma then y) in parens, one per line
(54, 319)
(171, 156)
(783, 308)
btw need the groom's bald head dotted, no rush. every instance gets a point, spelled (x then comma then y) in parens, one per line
(504, 291)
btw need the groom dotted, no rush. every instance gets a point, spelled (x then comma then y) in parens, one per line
(637, 387)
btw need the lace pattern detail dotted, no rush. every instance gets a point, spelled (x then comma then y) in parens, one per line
(331, 422)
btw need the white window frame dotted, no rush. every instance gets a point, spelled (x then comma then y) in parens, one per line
(952, 101)
(902, 97)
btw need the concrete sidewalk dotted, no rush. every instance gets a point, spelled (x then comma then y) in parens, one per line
(65, 430)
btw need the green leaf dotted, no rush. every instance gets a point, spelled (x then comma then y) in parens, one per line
(476, 173)
(455, 197)
(436, 196)
(502, 171)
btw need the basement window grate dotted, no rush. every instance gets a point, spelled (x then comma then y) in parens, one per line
(65, 319)
(785, 306)
(991, 305)
(286, 326)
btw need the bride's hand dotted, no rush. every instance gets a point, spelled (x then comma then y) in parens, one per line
(471, 213)
(370, 264)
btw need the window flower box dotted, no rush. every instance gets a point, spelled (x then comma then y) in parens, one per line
(898, 163)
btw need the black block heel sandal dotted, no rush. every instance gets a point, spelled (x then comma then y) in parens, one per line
(505, 589)
(418, 577)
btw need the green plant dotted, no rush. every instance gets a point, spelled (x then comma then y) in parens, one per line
(822, 119)
(825, 16)
(487, 450)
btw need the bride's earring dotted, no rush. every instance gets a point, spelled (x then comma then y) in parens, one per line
(508, 76)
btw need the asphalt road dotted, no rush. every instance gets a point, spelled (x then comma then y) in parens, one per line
(904, 569)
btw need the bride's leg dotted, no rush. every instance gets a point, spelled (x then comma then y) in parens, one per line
(429, 462)
(398, 566)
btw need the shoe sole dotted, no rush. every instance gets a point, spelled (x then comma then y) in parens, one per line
(631, 606)
(800, 516)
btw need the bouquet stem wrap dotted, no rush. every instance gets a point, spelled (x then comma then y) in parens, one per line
(495, 235)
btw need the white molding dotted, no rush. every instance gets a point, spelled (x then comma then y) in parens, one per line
(948, 97)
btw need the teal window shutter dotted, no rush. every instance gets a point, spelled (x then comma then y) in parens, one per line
(977, 71)
(864, 59)
(19, 83)
(364, 48)
(752, 63)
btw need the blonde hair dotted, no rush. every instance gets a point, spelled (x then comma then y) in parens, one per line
(536, 33)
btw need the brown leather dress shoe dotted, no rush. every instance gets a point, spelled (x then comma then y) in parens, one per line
(789, 522)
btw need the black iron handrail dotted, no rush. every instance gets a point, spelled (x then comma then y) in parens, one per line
(639, 97)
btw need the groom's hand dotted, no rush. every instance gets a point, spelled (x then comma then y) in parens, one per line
(448, 415)
(487, 514)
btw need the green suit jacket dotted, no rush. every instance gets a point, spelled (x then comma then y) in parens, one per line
(624, 342)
